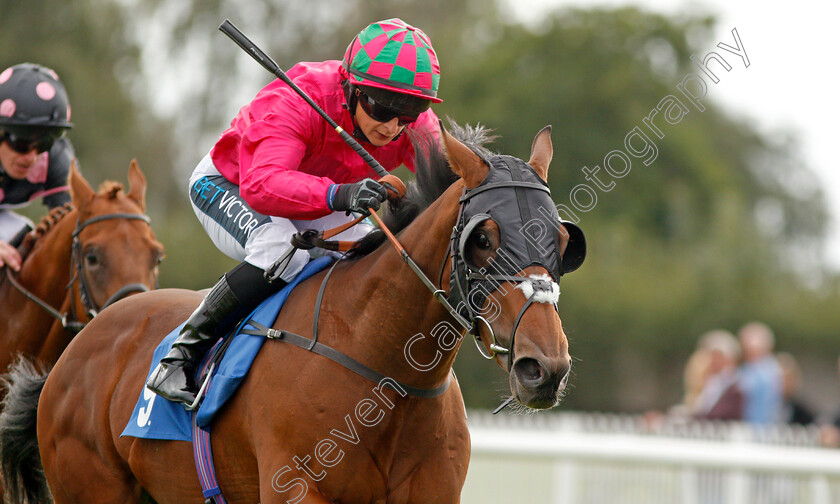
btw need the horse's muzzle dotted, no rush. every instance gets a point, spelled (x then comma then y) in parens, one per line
(539, 385)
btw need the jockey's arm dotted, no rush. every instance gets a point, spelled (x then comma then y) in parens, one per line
(10, 239)
(270, 178)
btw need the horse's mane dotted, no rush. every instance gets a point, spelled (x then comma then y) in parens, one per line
(432, 177)
(48, 222)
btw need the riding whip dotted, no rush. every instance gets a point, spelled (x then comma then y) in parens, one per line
(263, 59)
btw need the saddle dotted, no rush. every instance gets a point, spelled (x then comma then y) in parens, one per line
(223, 370)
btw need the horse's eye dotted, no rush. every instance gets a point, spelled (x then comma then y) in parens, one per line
(91, 259)
(482, 242)
(158, 260)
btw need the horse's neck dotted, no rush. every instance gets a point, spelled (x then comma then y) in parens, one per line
(404, 336)
(44, 273)
(46, 269)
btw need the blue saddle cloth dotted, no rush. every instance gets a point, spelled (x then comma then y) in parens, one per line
(157, 418)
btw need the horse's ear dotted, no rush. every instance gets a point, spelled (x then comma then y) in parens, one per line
(541, 152)
(463, 161)
(81, 192)
(137, 184)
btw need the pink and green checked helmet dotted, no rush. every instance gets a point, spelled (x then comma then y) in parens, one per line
(394, 56)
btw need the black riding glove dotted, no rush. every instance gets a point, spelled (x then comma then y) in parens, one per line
(359, 197)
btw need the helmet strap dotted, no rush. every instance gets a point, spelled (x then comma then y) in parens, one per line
(350, 102)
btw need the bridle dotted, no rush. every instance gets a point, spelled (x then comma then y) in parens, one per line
(515, 197)
(525, 190)
(524, 197)
(70, 320)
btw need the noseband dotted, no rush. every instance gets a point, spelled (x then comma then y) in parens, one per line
(69, 320)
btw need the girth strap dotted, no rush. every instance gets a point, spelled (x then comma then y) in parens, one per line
(202, 448)
(340, 358)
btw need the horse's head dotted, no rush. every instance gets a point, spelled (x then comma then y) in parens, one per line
(114, 249)
(508, 251)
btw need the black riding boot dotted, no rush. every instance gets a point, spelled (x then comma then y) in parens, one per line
(236, 294)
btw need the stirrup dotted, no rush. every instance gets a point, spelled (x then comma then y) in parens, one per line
(200, 394)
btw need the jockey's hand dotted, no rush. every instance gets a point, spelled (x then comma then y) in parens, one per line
(359, 197)
(9, 256)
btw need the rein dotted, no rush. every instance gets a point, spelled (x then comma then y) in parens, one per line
(70, 325)
(310, 238)
(437, 293)
(69, 320)
(440, 295)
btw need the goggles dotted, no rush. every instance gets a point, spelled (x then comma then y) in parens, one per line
(382, 113)
(23, 144)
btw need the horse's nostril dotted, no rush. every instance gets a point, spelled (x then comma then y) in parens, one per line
(564, 372)
(528, 371)
(565, 376)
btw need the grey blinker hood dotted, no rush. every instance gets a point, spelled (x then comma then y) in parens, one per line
(520, 203)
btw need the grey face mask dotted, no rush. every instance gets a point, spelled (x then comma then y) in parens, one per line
(519, 202)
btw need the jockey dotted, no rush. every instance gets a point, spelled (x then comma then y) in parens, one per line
(35, 157)
(280, 168)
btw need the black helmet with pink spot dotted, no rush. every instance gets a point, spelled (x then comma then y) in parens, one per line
(32, 97)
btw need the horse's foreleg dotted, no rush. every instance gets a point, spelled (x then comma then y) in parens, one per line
(78, 467)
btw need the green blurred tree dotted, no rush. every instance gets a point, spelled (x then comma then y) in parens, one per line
(704, 237)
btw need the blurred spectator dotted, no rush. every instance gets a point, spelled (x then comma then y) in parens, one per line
(721, 397)
(760, 375)
(694, 379)
(830, 430)
(695, 373)
(794, 411)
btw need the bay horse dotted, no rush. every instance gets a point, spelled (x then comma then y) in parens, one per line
(79, 259)
(302, 428)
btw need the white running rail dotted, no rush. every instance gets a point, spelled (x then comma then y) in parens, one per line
(612, 459)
